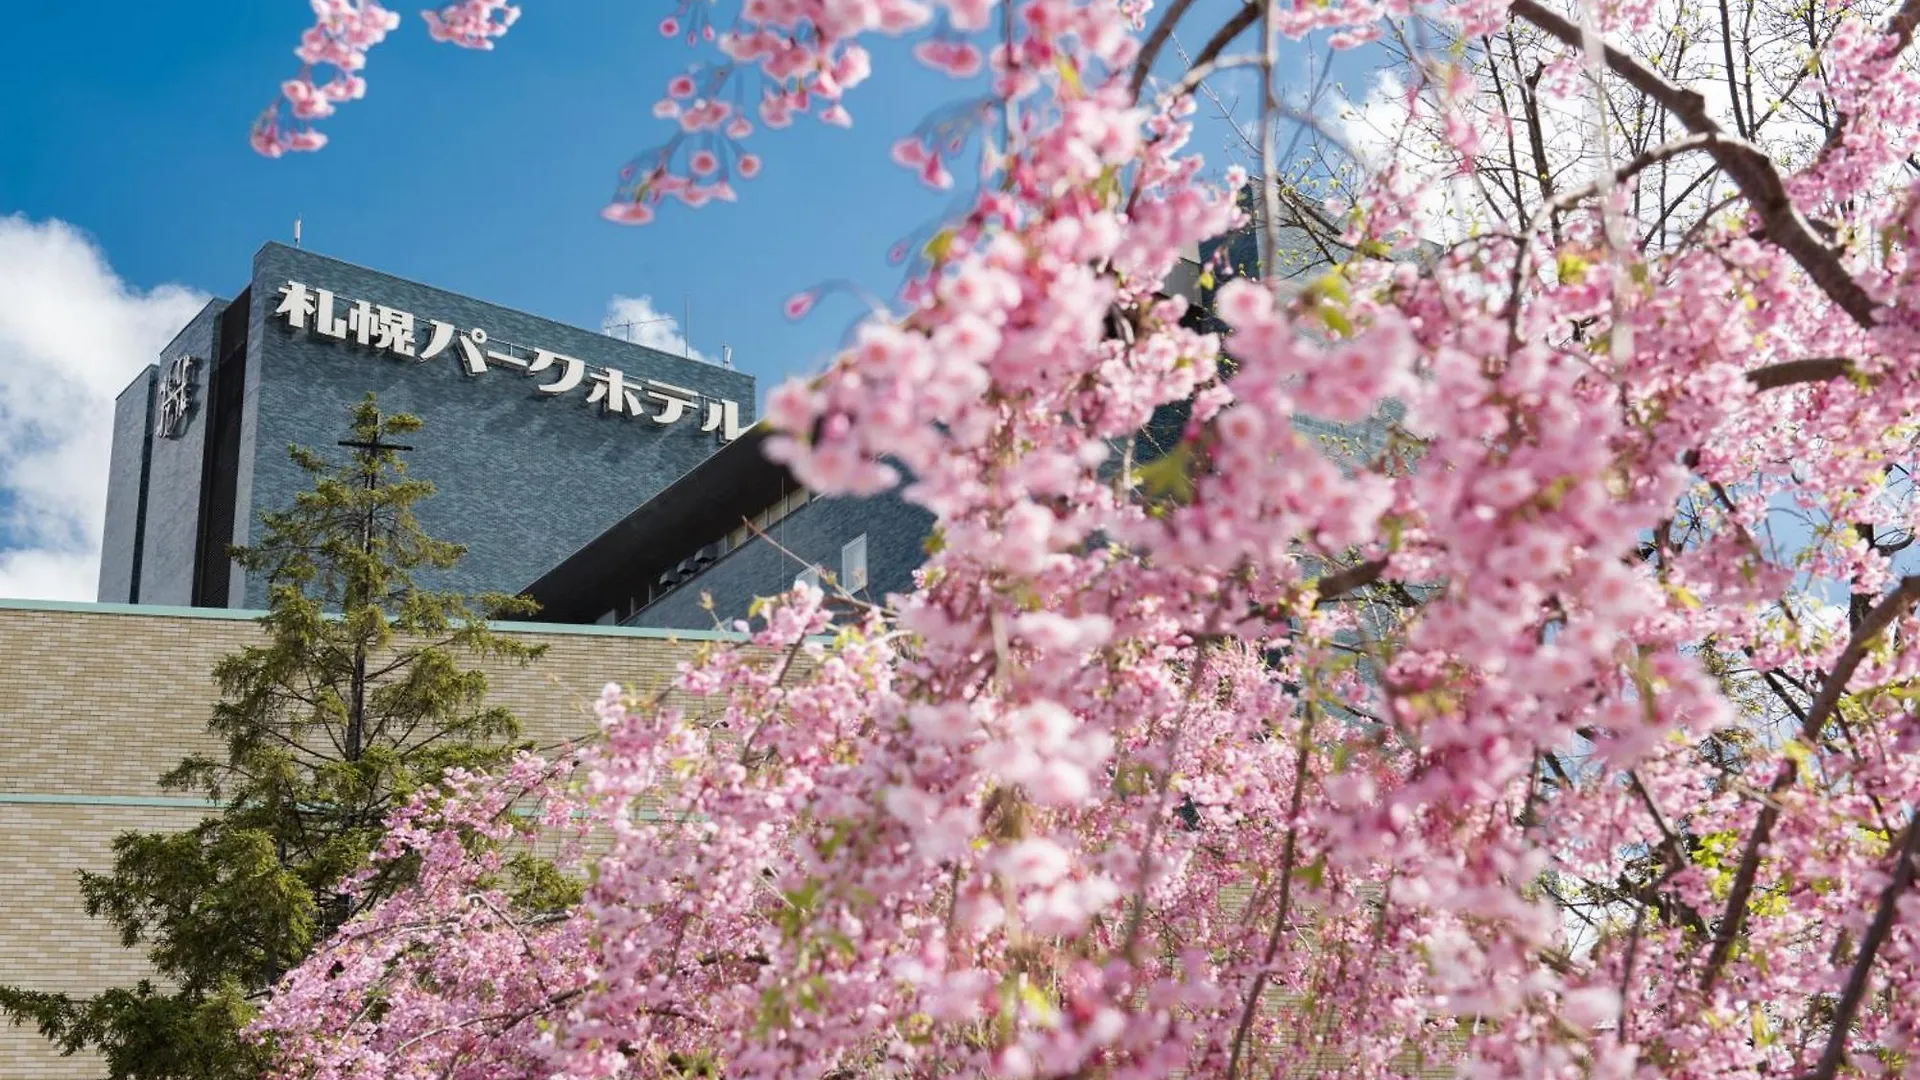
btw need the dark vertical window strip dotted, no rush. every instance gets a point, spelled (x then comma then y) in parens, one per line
(226, 390)
(146, 473)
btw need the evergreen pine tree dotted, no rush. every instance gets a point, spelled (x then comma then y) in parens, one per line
(354, 699)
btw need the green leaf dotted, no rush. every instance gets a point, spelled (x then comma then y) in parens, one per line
(1170, 476)
(1069, 74)
(941, 245)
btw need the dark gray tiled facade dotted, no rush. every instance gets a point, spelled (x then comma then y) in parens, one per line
(523, 478)
(813, 535)
(170, 530)
(126, 487)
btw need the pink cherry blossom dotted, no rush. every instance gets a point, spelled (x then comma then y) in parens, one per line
(1482, 652)
(627, 213)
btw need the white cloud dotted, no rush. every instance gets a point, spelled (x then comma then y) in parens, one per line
(1373, 127)
(1381, 129)
(635, 319)
(72, 334)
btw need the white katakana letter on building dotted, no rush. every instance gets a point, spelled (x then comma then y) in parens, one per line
(571, 374)
(470, 357)
(674, 400)
(394, 333)
(296, 305)
(324, 320)
(437, 344)
(506, 358)
(176, 398)
(611, 390)
(724, 417)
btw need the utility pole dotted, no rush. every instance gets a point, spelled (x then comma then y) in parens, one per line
(371, 454)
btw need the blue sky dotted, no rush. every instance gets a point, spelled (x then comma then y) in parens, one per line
(478, 172)
(128, 193)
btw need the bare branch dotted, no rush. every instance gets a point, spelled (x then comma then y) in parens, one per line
(1340, 582)
(1281, 921)
(1150, 50)
(1792, 372)
(1891, 607)
(1750, 168)
(1877, 932)
(1224, 36)
(1201, 72)
(1269, 151)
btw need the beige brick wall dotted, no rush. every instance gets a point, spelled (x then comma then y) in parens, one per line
(96, 701)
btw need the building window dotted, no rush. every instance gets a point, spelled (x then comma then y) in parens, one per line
(769, 516)
(853, 564)
(809, 576)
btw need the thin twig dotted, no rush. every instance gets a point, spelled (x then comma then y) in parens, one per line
(1164, 785)
(1280, 919)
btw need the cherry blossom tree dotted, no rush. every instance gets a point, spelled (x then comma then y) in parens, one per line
(1567, 731)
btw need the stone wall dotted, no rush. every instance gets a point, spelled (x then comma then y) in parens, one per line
(97, 700)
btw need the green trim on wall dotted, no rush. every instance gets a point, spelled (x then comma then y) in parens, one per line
(145, 802)
(238, 615)
(161, 802)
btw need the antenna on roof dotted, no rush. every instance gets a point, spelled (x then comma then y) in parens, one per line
(296, 230)
(726, 356)
(686, 324)
(626, 328)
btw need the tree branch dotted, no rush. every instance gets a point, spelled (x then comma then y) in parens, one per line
(1340, 582)
(1224, 36)
(1877, 932)
(1150, 50)
(1791, 372)
(1201, 72)
(1891, 607)
(1281, 918)
(1756, 175)
(1902, 24)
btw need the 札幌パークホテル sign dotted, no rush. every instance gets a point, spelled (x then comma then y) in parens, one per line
(397, 333)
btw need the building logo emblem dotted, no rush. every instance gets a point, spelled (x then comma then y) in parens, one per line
(397, 333)
(176, 398)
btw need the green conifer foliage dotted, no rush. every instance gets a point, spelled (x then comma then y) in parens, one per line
(356, 696)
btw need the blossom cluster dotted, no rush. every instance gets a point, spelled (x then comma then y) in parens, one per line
(337, 43)
(1500, 671)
